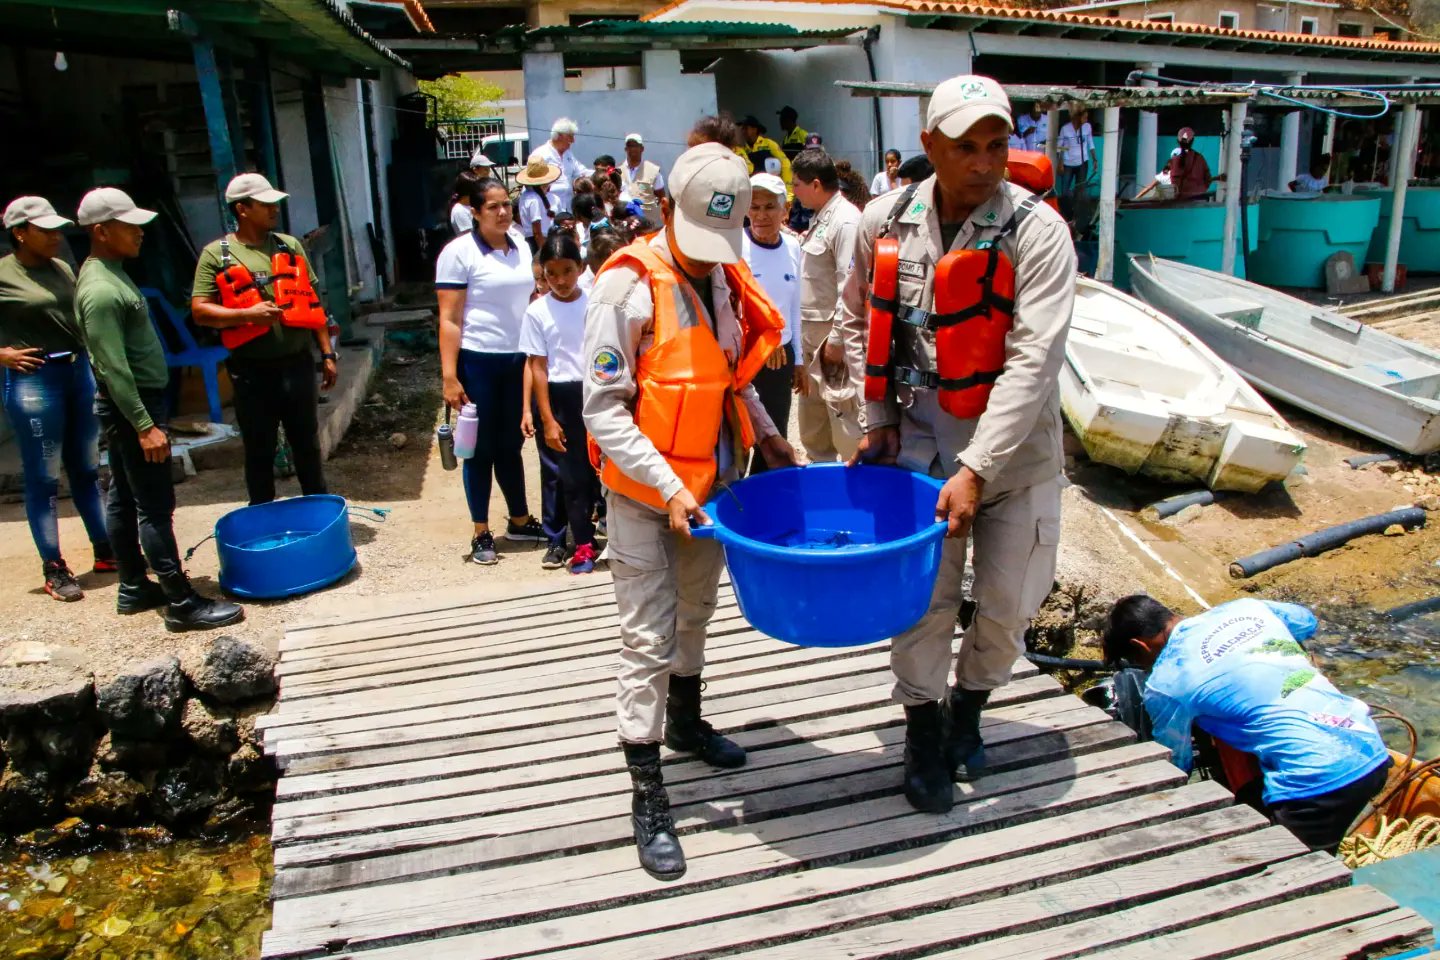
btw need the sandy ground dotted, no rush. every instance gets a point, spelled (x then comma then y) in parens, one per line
(423, 544)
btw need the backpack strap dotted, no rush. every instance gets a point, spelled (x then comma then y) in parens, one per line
(900, 204)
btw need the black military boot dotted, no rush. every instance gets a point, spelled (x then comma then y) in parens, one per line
(655, 840)
(137, 592)
(686, 732)
(188, 610)
(928, 786)
(964, 750)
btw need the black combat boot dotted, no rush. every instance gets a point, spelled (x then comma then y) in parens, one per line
(686, 732)
(137, 592)
(188, 610)
(928, 786)
(964, 750)
(655, 840)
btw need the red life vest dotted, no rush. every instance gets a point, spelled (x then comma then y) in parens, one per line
(974, 303)
(292, 291)
(1033, 171)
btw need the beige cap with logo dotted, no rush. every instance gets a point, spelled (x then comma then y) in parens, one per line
(104, 204)
(35, 210)
(958, 103)
(252, 186)
(710, 194)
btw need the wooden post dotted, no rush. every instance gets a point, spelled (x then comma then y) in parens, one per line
(1290, 140)
(217, 124)
(1052, 134)
(1109, 180)
(1401, 185)
(1234, 187)
(1327, 146)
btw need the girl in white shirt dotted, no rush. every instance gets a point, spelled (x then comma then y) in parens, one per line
(462, 219)
(537, 212)
(553, 338)
(483, 282)
(889, 178)
(773, 256)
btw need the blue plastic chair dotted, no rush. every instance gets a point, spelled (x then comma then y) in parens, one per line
(171, 326)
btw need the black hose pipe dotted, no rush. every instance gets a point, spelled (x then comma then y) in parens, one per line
(1316, 543)
(1067, 663)
(1409, 610)
(1173, 505)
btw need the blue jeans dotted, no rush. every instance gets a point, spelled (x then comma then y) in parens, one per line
(495, 383)
(53, 414)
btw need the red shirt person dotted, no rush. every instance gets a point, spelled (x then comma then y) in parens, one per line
(1189, 171)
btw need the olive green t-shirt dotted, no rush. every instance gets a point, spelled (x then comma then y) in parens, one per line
(124, 347)
(280, 341)
(37, 307)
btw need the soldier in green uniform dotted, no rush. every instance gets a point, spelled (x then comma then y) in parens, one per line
(273, 375)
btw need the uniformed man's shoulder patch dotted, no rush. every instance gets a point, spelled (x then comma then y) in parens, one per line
(606, 366)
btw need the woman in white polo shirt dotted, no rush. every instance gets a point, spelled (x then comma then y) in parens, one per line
(483, 282)
(773, 255)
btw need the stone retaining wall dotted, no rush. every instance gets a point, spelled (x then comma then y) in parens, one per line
(159, 743)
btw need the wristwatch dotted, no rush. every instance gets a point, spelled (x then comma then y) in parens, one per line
(330, 356)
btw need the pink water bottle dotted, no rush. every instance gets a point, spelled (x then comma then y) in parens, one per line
(467, 428)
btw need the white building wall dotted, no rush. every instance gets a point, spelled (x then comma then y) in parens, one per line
(907, 55)
(663, 110)
(344, 115)
(294, 148)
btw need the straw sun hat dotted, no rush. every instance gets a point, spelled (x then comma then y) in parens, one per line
(538, 173)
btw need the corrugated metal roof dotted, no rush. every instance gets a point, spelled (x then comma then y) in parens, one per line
(1151, 97)
(997, 12)
(332, 24)
(642, 29)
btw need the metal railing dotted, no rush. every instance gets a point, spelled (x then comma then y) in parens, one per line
(460, 138)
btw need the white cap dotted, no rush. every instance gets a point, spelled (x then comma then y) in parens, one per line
(478, 159)
(36, 210)
(959, 102)
(769, 183)
(634, 138)
(104, 204)
(710, 195)
(252, 186)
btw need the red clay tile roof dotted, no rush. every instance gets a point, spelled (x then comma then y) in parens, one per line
(987, 11)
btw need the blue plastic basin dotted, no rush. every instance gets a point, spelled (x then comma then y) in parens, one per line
(284, 548)
(828, 555)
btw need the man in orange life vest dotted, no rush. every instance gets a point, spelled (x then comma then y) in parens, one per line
(961, 384)
(676, 328)
(256, 287)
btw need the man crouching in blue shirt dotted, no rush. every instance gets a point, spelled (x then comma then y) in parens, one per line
(1238, 672)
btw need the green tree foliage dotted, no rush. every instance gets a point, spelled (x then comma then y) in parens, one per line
(461, 96)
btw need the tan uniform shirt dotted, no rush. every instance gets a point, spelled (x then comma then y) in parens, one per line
(826, 251)
(1016, 442)
(619, 326)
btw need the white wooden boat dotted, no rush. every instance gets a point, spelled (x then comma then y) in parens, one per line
(1317, 359)
(1147, 397)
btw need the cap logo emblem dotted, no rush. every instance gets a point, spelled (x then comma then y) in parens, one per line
(972, 90)
(721, 206)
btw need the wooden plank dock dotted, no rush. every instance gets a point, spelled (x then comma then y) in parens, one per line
(452, 790)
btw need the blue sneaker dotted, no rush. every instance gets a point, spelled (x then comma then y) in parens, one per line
(482, 550)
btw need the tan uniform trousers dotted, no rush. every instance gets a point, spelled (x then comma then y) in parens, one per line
(827, 433)
(1016, 537)
(665, 588)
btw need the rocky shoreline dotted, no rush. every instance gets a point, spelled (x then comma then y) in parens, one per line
(161, 742)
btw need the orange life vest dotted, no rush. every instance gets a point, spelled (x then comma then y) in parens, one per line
(1033, 171)
(974, 303)
(685, 383)
(293, 292)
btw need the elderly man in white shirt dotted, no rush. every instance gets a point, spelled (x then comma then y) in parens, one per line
(557, 151)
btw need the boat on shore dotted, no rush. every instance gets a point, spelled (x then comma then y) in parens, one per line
(1321, 361)
(1145, 396)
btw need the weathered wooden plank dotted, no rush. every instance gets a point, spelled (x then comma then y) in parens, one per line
(471, 689)
(772, 847)
(495, 791)
(771, 724)
(799, 904)
(1381, 935)
(1049, 904)
(1313, 873)
(1258, 929)
(452, 857)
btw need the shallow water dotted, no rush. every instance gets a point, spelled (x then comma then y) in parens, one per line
(273, 540)
(821, 540)
(1392, 665)
(186, 900)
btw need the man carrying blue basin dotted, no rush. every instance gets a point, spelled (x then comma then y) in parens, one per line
(957, 306)
(676, 328)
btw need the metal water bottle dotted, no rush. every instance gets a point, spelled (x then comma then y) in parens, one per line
(467, 431)
(445, 440)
